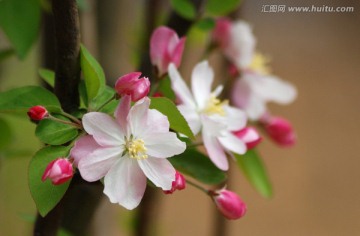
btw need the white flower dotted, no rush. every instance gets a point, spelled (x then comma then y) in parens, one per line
(126, 150)
(253, 90)
(206, 113)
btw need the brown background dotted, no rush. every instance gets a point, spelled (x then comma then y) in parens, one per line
(316, 182)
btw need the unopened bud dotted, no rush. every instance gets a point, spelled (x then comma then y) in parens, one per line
(250, 136)
(229, 204)
(131, 84)
(37, 113)
(58, 171)
(280, 131)
(178, 184)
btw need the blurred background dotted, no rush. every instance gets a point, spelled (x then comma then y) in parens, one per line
(315, 182)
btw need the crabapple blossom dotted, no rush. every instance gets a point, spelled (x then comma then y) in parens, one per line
(280, 131)
(58, 171)
(127, 150)
(165, 48)
(178, 184)
(229, 204)
(206, 113)
(250, 136)
(37, 113)
(131, 84)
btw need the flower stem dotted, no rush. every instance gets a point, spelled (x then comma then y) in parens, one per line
(197, 186)
(78, 126)
(71, 117)
(195, 144)
(107, 102)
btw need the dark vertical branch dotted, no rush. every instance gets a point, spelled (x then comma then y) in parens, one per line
(67, 34)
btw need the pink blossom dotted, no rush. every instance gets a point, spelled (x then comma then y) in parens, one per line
(165, 48)
(250, 136)
(229, 204)
(205, 113)
(178, 184)
(59, 171)
(127, 150)
(280, 131)
(221, 33)
(131, 84)
(37, 113)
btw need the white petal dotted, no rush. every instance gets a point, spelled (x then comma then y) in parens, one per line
(236, 118)
(83, 147)
(138, 116)
(125, 183)
(256, 108)
(156, 123)
(215, 151)
(271, 88)
(233, 143)
(122, 112)
(214, 125)
(105, 130)
(159, 171)
(98, 163)
(163, 145)
(192, 117)
(180, 88)
(241, 93)
(201, 80)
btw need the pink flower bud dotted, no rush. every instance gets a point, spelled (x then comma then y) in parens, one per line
(59, 171)
(250, 136)
(37, 113)
(221, 33)
(178, 184)
(131, 84)
(280, 131)
(165, 47)
(229, 204)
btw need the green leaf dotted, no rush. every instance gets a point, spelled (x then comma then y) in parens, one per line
(105, 96)
(55, 133)
(20, 21)
(223, 7)
(45, 194)
(254, 170)
(6, 53)
(184, 8)
(176, 119)
(48, 76)
(93, 74)
(165, 88)
(21, 99)
(198, 166)
(6, 134)
(206, 24)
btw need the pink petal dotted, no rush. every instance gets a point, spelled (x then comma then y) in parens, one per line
(215, 151)
(104, 129)
(163, 145)
(125, 183)
(178, 52)
(138, 116)
(156, 123)
(98, 163)
(159, 171)
(83, 147)
(180, 88)
(201, 80)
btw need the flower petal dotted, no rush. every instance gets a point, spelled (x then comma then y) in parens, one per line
(201, 80)
(156, 123)
(163, 145)
(215, 151)
(138, 116)
(236, 118)
(122, 112)
(83, 147)
(125, 183)
(192, 117)
(103, 128)
(233, 143)
(178, 52)
(159, 171)
(180, 88)
(98, 163)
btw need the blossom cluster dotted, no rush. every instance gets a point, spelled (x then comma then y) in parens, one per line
(132, 145)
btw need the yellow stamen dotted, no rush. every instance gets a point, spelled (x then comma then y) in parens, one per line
(260, 63)
(136, 149)
(215, 106)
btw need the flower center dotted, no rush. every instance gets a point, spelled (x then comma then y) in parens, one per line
(259, 63)
(136, 149)
(215, 106)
